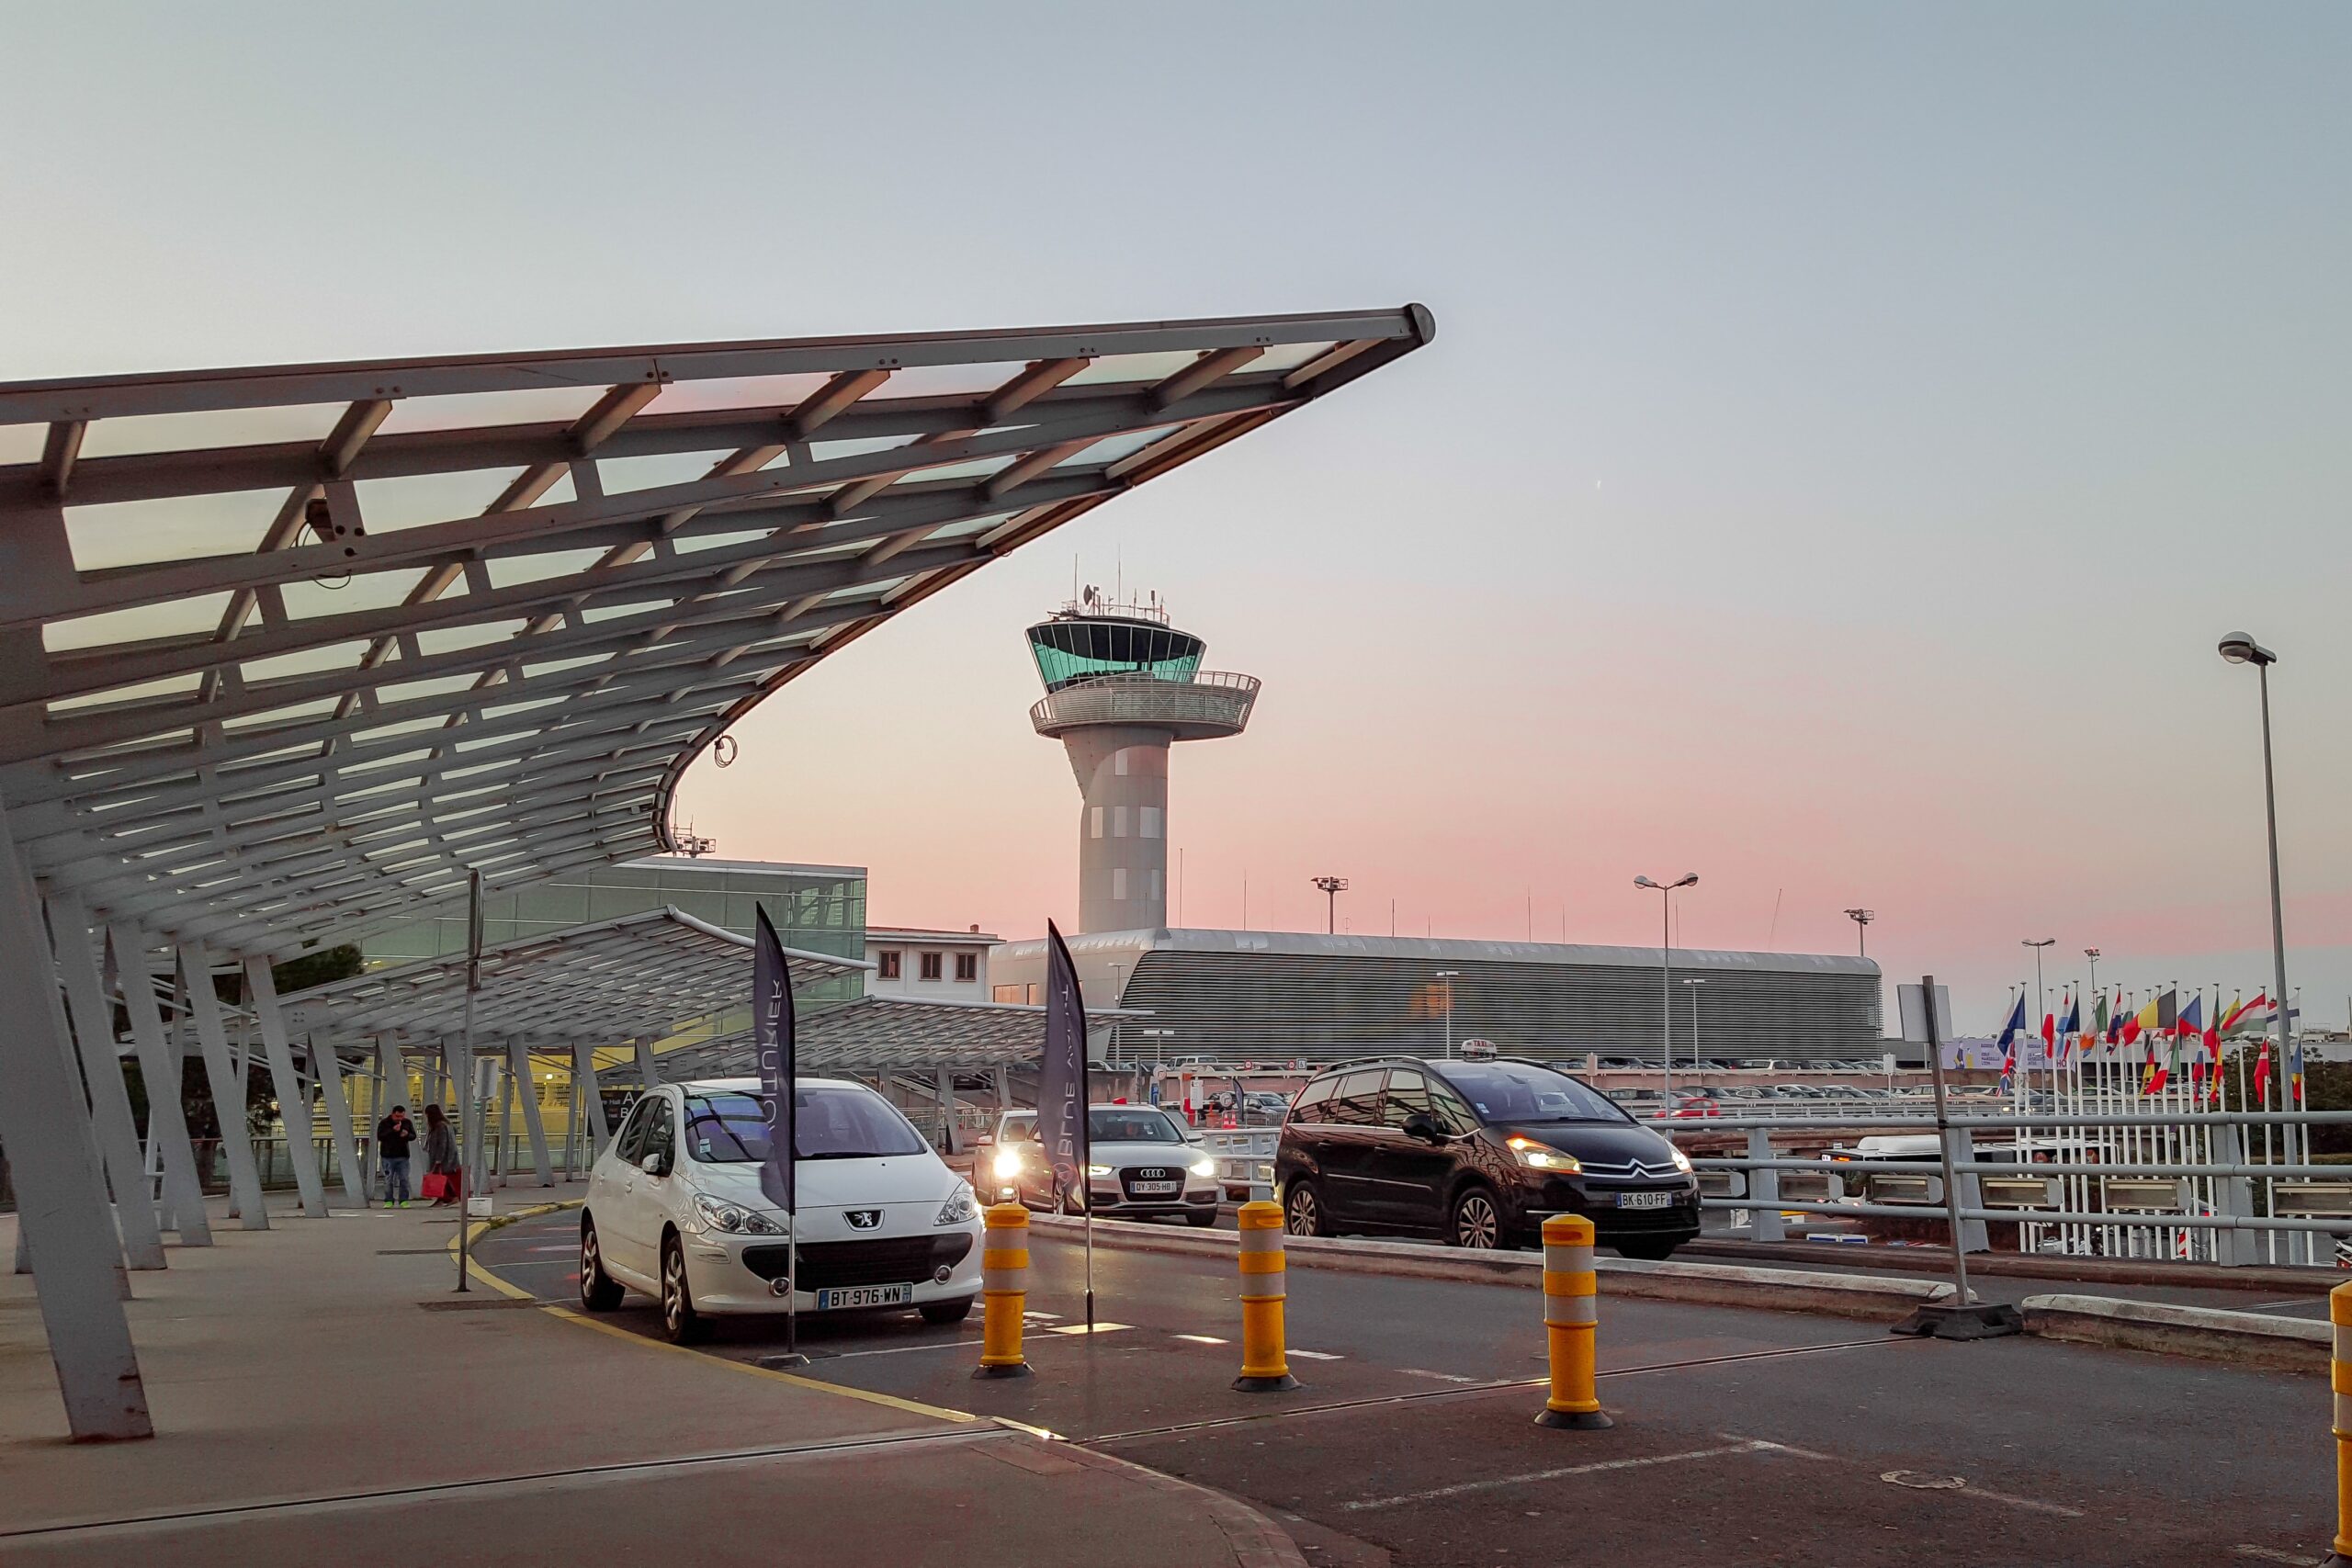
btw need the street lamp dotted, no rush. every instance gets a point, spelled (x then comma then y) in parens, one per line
(2037, 947)
(1332, 887)
(1862, 918)
(1448, 976)
(1665, 891)
(2240, 649)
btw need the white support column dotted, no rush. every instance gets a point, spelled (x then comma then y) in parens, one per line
(946, 1092)
(293, 1101)
(527, 1089)
(158, 1064)
(118, 1134)
(228, 1086)
(60, 1190)
(328, 1070)
(647, 1075)
(584, 1083)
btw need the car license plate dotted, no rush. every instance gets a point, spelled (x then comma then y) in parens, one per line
(1644, 1200)
(1155, 1189)
(864, 1296)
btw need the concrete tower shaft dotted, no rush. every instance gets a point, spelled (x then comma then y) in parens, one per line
(1122, 685)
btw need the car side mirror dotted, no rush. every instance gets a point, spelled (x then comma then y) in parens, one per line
(1422, 1125)
(985, 1141)
(656, 1165)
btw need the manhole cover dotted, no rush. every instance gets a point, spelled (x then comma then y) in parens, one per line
(1919, 1481)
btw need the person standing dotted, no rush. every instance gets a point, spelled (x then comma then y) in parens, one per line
(441, 1156)
(394, 1133)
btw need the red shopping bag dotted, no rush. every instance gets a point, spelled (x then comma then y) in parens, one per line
(435, 1185)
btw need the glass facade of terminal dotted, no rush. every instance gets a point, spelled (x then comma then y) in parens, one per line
(1070, 651)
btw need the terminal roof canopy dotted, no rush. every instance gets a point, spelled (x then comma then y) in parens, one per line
(887, 1034)
(286, 653)
(607, 982)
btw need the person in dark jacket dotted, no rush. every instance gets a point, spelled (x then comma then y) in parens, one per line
(441, 1153)
(394, 1133)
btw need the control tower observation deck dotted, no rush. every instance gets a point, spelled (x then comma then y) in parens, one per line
(1122, 684)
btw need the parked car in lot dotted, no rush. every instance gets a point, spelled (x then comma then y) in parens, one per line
(1478, 1154)
(1143, 1164)
(675, 1209)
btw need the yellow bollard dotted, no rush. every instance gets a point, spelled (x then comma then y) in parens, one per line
(1264, 1367)
(1004, 1290)
(1571, 1319)
(2339, 1313)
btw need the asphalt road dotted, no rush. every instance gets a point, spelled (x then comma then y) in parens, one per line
(1741, 1437)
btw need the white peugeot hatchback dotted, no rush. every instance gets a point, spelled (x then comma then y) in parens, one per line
(675, 1209)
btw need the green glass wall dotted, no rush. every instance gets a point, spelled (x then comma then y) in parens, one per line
(1071, 651)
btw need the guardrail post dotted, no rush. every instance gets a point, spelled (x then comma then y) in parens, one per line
(1764, 1187)
(1571, 1322)
(1004, 1290)
(1265, 1367)
(2339, 1315)
(2233, 1196)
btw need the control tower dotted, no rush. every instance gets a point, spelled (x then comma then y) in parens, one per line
(1121, 684)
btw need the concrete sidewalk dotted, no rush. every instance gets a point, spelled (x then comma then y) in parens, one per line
(321, 1393)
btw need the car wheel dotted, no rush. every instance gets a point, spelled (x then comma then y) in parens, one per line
(599, 1291)
(1654, 1249)
(947, 1311)
(1202, 1219)
(681, 1325)
(1477, 1223)
(1303, 1211)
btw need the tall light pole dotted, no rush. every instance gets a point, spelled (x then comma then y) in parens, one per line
(1448, 977)
(2026, 1077)
(1694, 1025)
(2240, 649)
(1665, 891)
(1332, 887)
(1862, 918)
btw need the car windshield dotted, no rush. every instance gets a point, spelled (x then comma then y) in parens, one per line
(1124, 1124)
(830, 1124)
(1513, 1091)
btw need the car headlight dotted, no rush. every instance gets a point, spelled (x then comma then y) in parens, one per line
(733, 1218)
(1540, 1157)
(1204, 1166)
(1008, 1164)
(1100, 1170)
(960, 1206)
(1682, 1162)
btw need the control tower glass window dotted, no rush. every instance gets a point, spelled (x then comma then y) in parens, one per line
(1069, 652)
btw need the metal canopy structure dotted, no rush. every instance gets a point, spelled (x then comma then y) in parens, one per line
(286, 653)
(289, 654)
(614, 981)
(884, 1034)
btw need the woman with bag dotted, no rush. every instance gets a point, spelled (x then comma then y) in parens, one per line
(442, 1179)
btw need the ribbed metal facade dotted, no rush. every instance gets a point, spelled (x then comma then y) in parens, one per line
(1277, 996)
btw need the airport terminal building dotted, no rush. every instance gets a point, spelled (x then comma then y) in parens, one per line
(1276, 995)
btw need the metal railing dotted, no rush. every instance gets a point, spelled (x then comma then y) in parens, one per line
(1214, 697)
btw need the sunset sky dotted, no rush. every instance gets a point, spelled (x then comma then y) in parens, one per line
(1848, 431)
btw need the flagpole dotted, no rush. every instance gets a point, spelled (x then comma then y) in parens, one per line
(1086, 1157)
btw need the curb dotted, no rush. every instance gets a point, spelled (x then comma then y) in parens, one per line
(1709, 1284)
(2267, 1279)
(2213, 1334)
(1257, 1541)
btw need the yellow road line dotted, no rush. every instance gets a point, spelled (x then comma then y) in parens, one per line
(475, 1270)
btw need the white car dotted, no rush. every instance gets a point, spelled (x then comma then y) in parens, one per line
(675, 1209)
(1143, 1165)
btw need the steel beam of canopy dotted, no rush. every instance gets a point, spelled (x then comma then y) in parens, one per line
(227, 1083)
(319, 700)
(518, 1067)
(293, 1099)
(160, 1065)
(118, 1134)
(60, 1191)
(584, 1089)
(328, 1069)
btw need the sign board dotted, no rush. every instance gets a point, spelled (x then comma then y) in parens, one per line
(1910, 1003)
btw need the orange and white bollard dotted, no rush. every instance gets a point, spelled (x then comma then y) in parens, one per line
(1571, 1321)
(2339, 1377)
(1004, 1292)
(1264, 1365)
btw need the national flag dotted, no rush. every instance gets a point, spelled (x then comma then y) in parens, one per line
(2142, 1022)
(2102, 1021)
(2011, 1027)
(2262, 1076)
(2070, 1028)
(2241, 1013)
(2168, 1013)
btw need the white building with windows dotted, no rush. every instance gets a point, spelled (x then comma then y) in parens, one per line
(929, 965)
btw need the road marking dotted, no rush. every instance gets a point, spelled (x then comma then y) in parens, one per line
(1598, 1467)
(1959, 1485)
(1094, 1329)
(1316, 1356)
(897, 1350)
(1442, 1377)
(2272, 1554)
(1201, 1339)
